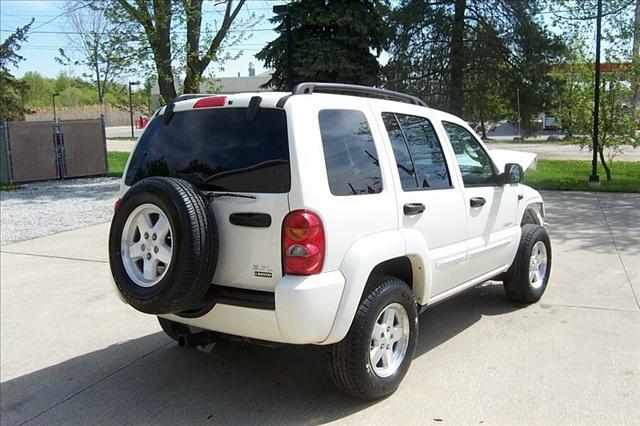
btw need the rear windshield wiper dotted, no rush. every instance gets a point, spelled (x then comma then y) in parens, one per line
(231, 194)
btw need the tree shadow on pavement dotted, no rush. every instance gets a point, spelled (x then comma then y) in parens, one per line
(578, 218)
(236, 383)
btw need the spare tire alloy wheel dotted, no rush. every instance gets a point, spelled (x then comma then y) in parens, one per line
(147, 245)
(163, 246)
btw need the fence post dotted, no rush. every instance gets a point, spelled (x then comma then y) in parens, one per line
(58, 148)
(6, 164)
(104, 143)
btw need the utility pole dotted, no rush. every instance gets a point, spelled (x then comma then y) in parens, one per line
(519, 117)
(636, 63)
(594, 179)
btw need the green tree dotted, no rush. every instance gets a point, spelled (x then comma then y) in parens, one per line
(575, 105)
(97, 44)
(159, 24)
(617, 127)
(453, 52)
(12, 90)
(333, 41)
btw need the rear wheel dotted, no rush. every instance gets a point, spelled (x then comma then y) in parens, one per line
(371, 361)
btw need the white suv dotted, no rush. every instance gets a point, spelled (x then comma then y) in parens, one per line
(331, 215)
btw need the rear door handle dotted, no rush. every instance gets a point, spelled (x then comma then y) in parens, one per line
(413, 209)
(477, 202)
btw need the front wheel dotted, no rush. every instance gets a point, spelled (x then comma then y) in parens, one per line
(371, 361)
(527, 278)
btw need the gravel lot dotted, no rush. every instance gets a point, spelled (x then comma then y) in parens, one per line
(43, 208)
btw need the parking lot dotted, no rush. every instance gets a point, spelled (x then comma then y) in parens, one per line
(72, 353)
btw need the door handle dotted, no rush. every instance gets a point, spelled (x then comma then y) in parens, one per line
(413, 209)
(477, 202)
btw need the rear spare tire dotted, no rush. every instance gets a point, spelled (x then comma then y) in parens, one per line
(163, 246)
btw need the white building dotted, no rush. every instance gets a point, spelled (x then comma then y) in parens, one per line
(223, 85)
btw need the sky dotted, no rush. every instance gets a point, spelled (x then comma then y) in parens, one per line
(45, 37)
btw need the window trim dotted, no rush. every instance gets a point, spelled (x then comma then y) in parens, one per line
(406, 143)
(494, 169)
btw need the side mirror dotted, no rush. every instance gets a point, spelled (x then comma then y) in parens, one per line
(513, 173)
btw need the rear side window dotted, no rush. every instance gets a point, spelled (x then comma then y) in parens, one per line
(419, 157)
(349, 153)
(217, 150)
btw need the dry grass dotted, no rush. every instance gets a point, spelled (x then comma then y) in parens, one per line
(113, 116)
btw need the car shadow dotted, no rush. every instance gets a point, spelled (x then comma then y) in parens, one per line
(236, 383)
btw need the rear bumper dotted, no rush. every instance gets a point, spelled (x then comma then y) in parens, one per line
(305, 310)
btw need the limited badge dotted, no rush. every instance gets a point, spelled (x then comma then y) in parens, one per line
(262, 271)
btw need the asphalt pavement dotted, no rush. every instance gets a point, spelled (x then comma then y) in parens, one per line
(72, 353)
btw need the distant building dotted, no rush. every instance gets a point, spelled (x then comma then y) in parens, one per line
(224, 85)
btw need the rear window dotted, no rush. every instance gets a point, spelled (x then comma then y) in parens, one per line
(349, 153)
(217, 150)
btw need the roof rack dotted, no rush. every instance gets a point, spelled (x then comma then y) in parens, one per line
(355, 90)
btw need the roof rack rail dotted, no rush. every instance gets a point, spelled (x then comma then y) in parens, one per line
(355, 90)
(187, 96)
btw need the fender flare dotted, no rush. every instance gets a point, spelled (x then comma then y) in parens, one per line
(361, 259)
(534, 204)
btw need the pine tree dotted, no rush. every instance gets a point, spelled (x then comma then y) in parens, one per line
(332, 41)
(12, 90)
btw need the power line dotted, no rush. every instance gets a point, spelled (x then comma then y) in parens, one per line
(175, 32)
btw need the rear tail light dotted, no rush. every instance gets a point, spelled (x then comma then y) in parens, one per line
(303, 243)
(210, 101)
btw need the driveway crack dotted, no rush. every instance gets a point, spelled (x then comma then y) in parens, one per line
(613, 240)
(50, 256)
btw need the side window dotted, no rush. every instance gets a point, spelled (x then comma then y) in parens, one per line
(475, 164)
(415, 137)
(349, 153)
(400, 151)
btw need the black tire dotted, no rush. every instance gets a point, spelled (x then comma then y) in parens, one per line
(349, 361)
(194, 241)
(517, 284)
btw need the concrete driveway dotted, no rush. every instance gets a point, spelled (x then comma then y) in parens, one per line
(74, 354)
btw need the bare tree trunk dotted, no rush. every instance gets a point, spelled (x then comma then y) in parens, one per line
(161, 47)
(606, 167)
(193, 11)
(457, 59)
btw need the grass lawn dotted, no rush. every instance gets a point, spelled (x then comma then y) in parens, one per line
(122, 138)
(563, 175)
(8, 186)
(573, 175)
(117, 161)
